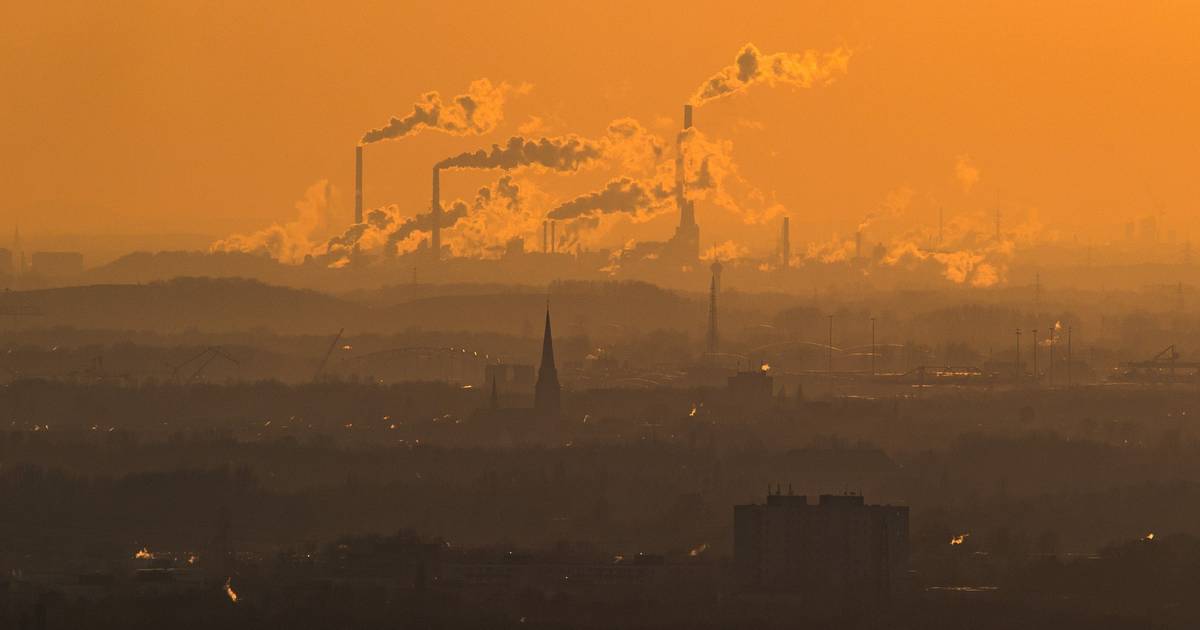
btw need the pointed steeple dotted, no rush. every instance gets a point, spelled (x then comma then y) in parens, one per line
(547, 394)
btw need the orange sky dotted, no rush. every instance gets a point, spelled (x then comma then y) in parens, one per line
(212, 118)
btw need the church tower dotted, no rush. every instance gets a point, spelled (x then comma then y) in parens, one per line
(547, 394)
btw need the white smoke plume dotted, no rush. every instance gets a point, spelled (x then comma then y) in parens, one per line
(710, 172)
(505, 210)
(713, 175)
(836, 249)
(728, 250)
(966, 173)
(625, 143)
(751, 67)
(896, 202)
(969, 255)
(481, 228)
(501, 215)
(387, 230)
(565, 154)
(636, 198)
(289, 242)
(476, 112)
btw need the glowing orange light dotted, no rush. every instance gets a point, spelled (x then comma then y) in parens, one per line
(143, 554)
(233, 596)
(959, 539)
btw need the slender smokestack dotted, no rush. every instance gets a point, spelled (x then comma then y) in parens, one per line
(553, 240)
(687, 211)
(358, 168)
(545, 237)
(435, 215)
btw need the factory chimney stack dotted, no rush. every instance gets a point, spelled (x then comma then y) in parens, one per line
(685, 244)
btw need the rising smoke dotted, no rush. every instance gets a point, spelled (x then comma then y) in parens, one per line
(709, 169)
(966, 173)
(970, 254)
(751, 67)
(642, 187)
(564, 154)
(506, 210)
(625, 143)
(896, 202)
(624, 194)
(477, 112)
(289, 242)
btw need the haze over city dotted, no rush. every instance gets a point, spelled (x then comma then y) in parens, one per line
(688, 314)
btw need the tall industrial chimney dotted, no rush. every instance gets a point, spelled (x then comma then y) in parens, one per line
(685, 245)
(553, 239)
(545, 237)
(687, 211)
(785, 244)
(358, 168)
(435, 215)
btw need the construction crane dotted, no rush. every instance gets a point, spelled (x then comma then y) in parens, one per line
(213, 353)
(206, 356)
(328, 353)
(1160, 368)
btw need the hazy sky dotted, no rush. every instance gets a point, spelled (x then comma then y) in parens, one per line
(215, 117)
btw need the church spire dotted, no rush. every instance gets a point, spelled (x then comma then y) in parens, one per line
(547, 393)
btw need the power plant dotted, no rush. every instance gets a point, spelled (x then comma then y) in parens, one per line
(683, 246)
(678, 254)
